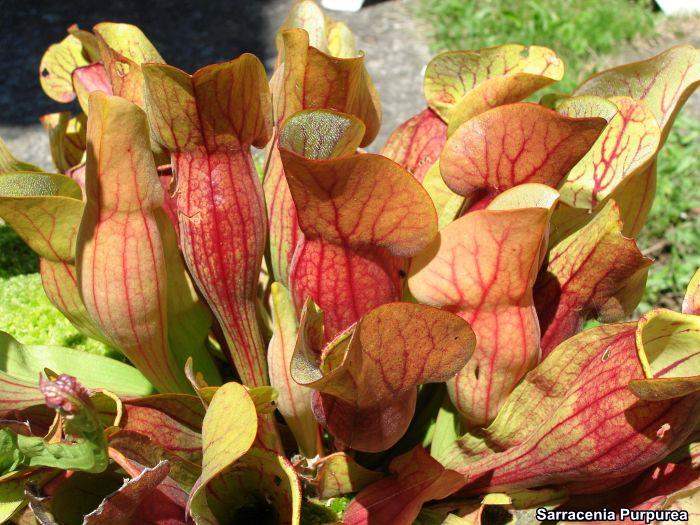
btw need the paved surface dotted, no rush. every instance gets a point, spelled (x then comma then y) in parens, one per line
(395, 55)
(216, 30)
(190, 38)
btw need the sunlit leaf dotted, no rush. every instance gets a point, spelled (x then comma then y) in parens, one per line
(236, 479)
(57, 65)
(461, 84)
(340, 474)
(691, 302)
(307, 78)
(294, 402)
(66, 138)
(514, 144)
(367, 377)
(624, 148)
(44, 209)
(596, 272)
(665, 341)
(360, 215)
(664, 82)
(416, 144)
(21, 366)
(125, 295)
(9, 164)
(592, 432)
(124, 48)
(90, 78)
(210, 141)
(483, 267)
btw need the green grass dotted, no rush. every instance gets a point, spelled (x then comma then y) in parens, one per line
(25, 311)
(15, 257)
(577, 30)
(672, 231)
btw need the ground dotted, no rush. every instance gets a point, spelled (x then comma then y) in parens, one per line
(395, 42)
(395, 50)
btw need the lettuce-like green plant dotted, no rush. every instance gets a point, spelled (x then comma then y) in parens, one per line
(402, 329)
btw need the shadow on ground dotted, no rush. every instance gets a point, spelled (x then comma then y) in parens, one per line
(189, 35)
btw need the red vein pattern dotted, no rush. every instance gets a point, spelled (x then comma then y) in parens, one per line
(660, 487)
(368, 400)
(624, 148)
(17, 394)
(360, 215)
(56, 66)
(461, 84)
(483, 267)
(663, 82)
(60, 283)
(173, 435)
(580, 428)
(123, 48)
(294, 400)
(416, 478)
(346, 283)
(589, 431)
(515, 144)
(120, 260)
(691, 301)
(284, 225)
(310, 79)
(208, 121)
(416, 144)
(585, 275)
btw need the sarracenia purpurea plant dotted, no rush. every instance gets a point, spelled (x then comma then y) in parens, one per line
(402, 330)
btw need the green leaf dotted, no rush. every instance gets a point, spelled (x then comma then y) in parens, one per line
(294, 402)
(21, 365)
(44, 209)
(10, 455)
(261, 485)
(86, 450)
(189, 320)
(447, 428)
(225, 438)
(12, 496)
(240, 481)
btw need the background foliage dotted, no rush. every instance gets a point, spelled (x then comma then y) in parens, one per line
(577, 30)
